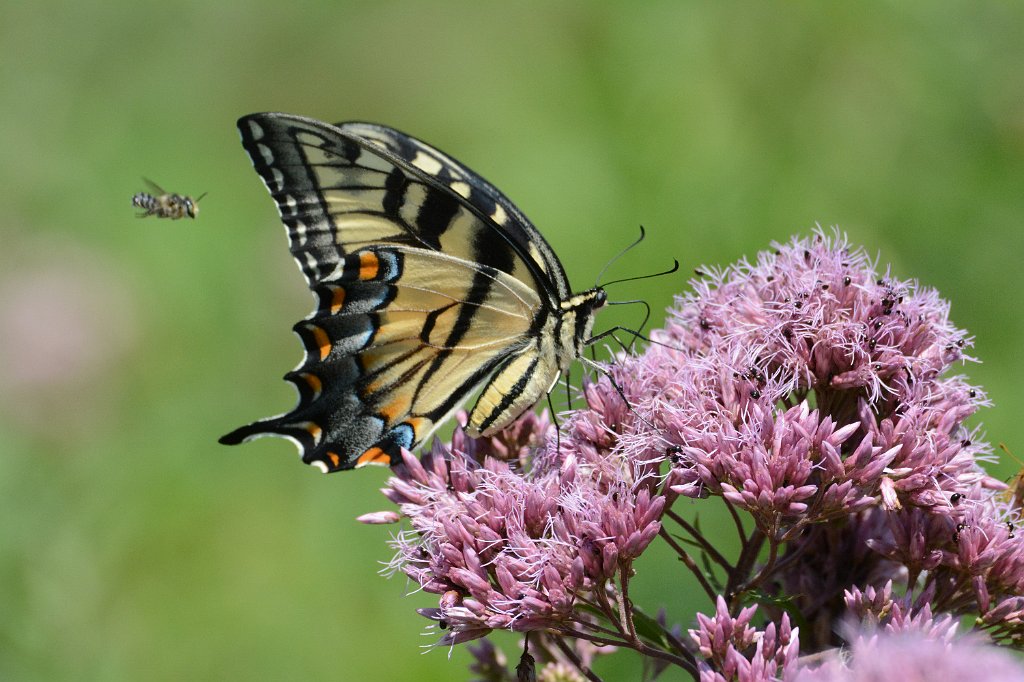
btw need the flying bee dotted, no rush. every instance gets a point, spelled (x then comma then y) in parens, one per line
(165, 205)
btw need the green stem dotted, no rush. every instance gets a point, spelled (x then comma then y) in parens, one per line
(568, 652)
(715, 555)
(689, 562)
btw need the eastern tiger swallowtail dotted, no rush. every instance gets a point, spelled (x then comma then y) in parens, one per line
(165, 205)
(429, 284)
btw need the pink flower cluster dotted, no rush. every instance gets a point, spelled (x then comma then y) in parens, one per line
(899, 642)
(514, 549)
(806, 391)
(806, 385)
(733, 650)
(815, 394)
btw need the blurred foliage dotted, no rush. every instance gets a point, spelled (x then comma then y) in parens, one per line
(132, 546)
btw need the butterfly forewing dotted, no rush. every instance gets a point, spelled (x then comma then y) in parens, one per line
(491, 202)
(427, 279)
(337, 191)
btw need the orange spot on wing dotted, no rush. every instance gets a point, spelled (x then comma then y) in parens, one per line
(395, 409)
(320, 336)
(369, 265)
(419, 426)
(314, 383)
(373, 456)
(314, 429)
(337, 299)
(335, 459)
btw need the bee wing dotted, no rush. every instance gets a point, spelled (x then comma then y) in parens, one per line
(155, 187)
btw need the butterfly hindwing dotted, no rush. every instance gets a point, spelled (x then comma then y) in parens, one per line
(383, 366)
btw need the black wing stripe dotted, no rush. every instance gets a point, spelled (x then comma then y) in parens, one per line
(431, 320)
(513, 393)
(478, 292)
(435, 216)
(394, 195)
(470, 384)
(514, 232)
(491, 259)
(289, 171)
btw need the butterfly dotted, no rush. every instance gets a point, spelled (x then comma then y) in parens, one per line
(429, 285)
(165, 205)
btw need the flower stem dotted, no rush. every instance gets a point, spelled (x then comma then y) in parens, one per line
(610, 613)
(744, 565)
(568, 652)
(736, 520)
(765, 571)
(699, 538)
(625, 608)
(689, 562)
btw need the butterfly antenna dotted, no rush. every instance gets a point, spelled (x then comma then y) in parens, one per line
(1002, 446)
(620, 254)
(675, 266)
(200, 197)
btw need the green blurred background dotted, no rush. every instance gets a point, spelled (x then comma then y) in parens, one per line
(132, 546)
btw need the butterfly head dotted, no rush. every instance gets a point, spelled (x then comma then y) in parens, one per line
(580, 310)
(598, 300)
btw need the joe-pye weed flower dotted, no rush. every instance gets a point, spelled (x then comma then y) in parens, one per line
(815, 397)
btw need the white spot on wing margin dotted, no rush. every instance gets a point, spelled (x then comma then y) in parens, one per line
(427, 163)
(499, 216)
(255, 130)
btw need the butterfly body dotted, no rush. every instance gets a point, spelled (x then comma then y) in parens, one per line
(429, 283)
(164, 204)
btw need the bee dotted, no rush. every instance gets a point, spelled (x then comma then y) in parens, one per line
(165, 205)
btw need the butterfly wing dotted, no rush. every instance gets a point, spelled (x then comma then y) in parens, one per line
(423, 282)
(527, 239)
(337, 190)
(384, 364)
